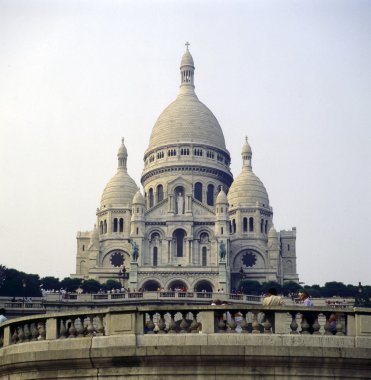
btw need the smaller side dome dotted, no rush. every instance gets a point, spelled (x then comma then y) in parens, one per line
(222, 197)
(139, 198)
(121, 188)
(247, 189)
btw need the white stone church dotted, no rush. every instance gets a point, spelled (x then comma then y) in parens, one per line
(195, 226)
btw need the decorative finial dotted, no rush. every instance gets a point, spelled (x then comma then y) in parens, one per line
(246, 139)
(122, 140)
(187, 44)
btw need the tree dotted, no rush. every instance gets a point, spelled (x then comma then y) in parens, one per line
(111, 284)
(250, 287)
(271, 284)
(2, 274)
(91, 286)
(334, 288)
(290, 287)
(71, 284)
(20, 284)
(50, 283)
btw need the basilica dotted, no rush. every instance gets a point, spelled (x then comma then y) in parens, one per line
(194, 225)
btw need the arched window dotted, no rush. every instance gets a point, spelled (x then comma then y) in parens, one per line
(150, 197)
(121, 225)
(204, 256)
(155, 253)
(101, 227)
(83, 247)
(261, 226)
(198, 191)
(234, 225)
(288, 247)
(160, 193)
(115, 225)
(251, 224)
(244, 224)
(266, 226)
(210, 195)
(230, 227)
(179, 241)
(105, 226)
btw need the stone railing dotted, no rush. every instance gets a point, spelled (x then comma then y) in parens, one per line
(142, 320)
(188, 341)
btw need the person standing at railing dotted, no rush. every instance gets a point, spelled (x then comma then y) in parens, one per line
(308, 316)
(272, 299)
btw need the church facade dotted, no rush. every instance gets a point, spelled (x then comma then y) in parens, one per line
(194, 226)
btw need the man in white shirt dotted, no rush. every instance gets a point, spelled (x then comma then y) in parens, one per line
(272, 299)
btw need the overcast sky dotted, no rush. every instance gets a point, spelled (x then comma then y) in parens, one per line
(294, 76)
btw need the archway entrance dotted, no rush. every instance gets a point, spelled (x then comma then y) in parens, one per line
(204, 286)
(178, 285)
(151, 285)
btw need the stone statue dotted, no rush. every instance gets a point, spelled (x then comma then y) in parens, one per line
(180, 203)
(222, 251)
(135, 250)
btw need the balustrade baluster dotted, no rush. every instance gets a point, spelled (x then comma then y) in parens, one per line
(183, 324)
(79, 327)
(41, 330)
(304, 326)
(316, 326)
(150, 325)
(161, 324)
(20, 334)
(255, 323)
(15, 336)
(231, 325)
(34, 332)
(72, 329)
(89, 327)
(100, 326)
(27, 333)
(339, 325)
(267, 325)
(62, 330)
(244, 324)
(193, 328)
(172, 324)
(293, 325)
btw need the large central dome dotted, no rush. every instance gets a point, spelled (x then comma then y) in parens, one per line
(187, 120)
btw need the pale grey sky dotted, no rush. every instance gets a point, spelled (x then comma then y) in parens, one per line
(76, 76)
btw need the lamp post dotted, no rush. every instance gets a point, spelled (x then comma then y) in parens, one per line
(242, 276)
(361, 299)
(24, 285)
(123, 275)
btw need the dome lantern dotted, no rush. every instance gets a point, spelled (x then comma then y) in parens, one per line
(122, 156)
(246, 155)
(187, 70)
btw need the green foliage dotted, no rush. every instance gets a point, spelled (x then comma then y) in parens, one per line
(334, 288)
(111, 284)
(91, 286)
(250, 287)
(71, 284)
(20, 284)
(290, 287)
(50, 283)
(271, 284)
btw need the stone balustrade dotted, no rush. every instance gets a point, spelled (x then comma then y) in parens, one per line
(221, 319)
(173, 341)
